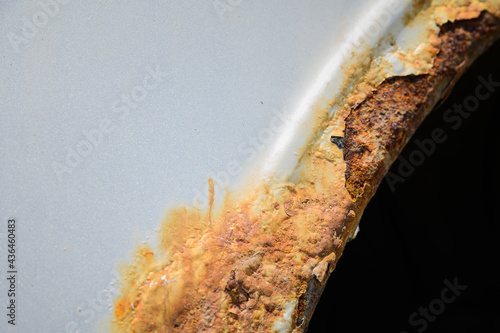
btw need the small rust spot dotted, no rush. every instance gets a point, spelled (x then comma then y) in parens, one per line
(235, 290)
(287, 207)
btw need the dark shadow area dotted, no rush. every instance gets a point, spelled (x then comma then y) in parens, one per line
(425, 258)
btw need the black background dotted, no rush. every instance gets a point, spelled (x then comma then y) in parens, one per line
(441, 223)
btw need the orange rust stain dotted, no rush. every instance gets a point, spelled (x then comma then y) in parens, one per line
(121, 308)
(147, 254)
(233, 275)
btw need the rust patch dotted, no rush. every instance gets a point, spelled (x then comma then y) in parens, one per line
(269, 256)
(379, 127)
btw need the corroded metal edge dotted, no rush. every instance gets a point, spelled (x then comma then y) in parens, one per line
(393, 112)
(262, 265)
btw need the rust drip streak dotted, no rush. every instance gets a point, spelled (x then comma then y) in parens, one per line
(211, 197)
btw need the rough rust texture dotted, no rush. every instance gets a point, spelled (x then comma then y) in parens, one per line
(248, 273)
(242, 270)
(378, 128)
